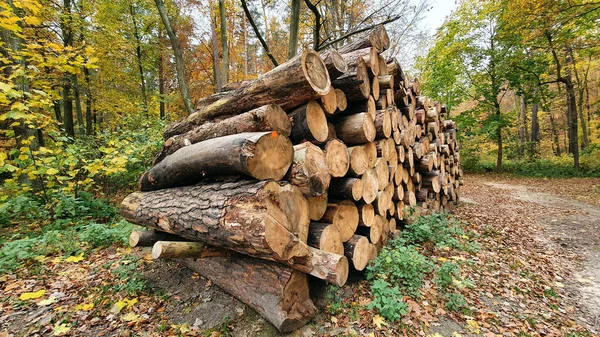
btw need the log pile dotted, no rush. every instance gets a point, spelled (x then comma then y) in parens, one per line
(307, 170)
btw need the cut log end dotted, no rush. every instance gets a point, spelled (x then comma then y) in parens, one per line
(342, 102)
(316, 72)
(317, 206)
(337, 157)
(271, 157)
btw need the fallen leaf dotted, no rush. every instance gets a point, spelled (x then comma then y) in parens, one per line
(473, 326)
(47, 301)
(84, 307)
(130, 317)
(74, 258)
(456, 334)
(378, 321)
(33, 295)
(60, 329)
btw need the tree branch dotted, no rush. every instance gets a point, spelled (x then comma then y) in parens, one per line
(257, 32)
(317, 28)
(384, 22)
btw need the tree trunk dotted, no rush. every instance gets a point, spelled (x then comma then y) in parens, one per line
(276, 292)
(262, 155)
(215, 54)
(78, 109)
(224, 44)
(89, 126)
(294, 22)
(338, 159)
(178, 53)
(498, 138)
(346, 188)
(138, 54)
(291, 84)
(535, 126)
(264, 118)
(161, 76)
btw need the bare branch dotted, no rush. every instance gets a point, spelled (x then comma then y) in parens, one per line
(257, 32)
(384, 22)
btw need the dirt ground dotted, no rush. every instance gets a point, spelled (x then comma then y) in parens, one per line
(565, 218)
(537, 274)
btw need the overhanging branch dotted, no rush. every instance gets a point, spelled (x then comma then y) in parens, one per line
(257, 32)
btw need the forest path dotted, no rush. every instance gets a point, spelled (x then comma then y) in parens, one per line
(569, 217)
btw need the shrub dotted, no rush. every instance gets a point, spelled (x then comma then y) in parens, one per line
(401, 266)
(446, 274)
(438, 229)
(387, 300)
(455, 302)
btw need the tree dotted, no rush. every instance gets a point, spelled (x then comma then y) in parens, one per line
(224, 42)
(294, 23)
(178, 53)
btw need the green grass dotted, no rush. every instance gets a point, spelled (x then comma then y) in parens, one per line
(556, 167)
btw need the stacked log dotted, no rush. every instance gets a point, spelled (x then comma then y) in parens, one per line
(310, 177)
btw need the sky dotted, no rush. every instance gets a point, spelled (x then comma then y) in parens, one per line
(438, 12)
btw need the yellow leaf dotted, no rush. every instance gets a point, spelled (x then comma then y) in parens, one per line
(378, 321)
(52, 171)
(47, 301)
(33, 295)
(130, 317)
(456, 334)
(60, 329)
(435, 335)
(56, 260)
(84, 307)
(74, 258)
(119, 306)
(473, 326)
(442, 259)
(32, 20)
(40, 258)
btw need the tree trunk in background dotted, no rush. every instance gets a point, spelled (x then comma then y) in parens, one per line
(224, 44)
(215, 52)
(179, 65)
(572, 122)
(535, 127)
(585, 141)
(245, 49)
(499, 137)
(89, 127)
(67, 36)
(523, 136)
(294, 23)
(138, 54)
(78, 109)
(161, 75)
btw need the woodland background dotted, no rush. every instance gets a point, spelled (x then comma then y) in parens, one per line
(87, 87)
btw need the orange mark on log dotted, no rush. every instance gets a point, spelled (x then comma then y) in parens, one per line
(274, 134)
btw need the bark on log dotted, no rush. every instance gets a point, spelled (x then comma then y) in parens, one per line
(355, 84)
(383, 124)
(355, 129)
(278, 293)
(265, 118)
(262, 155)
(358, 251)
(289, 85)
(346, 188)
(309, 123)
(309, 171)
(372, 39)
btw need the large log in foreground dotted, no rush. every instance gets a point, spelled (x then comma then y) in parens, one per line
(279, 293)
(262, 155)
(299, 80)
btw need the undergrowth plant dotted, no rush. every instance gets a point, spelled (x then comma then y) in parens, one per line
(401, 267)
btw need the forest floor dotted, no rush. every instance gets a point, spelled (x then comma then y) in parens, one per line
(536, 274)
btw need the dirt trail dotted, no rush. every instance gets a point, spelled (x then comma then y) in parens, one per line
(575, 227)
